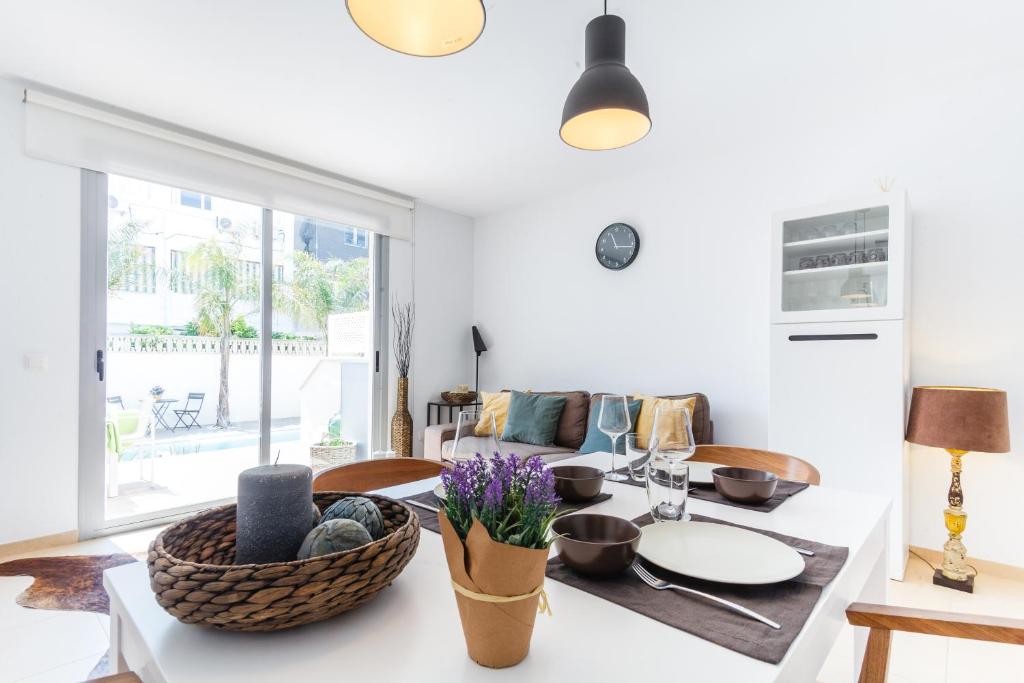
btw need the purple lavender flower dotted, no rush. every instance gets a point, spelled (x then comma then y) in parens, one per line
(515, 501)
(494, 494)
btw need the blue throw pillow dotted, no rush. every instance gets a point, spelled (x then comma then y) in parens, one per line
(598, 441)
(533, 418)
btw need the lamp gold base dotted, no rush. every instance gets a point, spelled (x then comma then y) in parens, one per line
(955, 572)
(967, 585)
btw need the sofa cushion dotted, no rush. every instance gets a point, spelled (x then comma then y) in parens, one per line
(497, 404)
(572, 426)
(644, 424)
(533, 418)
(702, 426)
(598, 441)
(523, 450)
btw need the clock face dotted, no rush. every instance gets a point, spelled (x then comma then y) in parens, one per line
(617, 246)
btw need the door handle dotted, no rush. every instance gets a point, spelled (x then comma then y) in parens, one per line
(868, 336)
(100, 365)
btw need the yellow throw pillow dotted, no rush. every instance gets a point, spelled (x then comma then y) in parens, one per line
(496, 403)
(645, 420)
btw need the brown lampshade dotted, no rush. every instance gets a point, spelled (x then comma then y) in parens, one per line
(959, 418)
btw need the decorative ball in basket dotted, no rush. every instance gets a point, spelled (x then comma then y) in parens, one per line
(192, 572)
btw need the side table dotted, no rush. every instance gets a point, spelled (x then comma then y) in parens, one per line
(437, 406)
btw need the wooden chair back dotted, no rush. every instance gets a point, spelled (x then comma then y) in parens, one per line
(884, 619)
(785, 466)
(371, 475)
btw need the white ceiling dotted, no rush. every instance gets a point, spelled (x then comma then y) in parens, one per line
(476, 132)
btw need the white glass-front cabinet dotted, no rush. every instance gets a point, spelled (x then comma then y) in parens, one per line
(841, 261)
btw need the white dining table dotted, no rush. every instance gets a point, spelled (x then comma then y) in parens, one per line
(411, 631)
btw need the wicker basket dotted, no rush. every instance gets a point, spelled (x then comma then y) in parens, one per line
(191, 573)
(329, 456)
(454, 397)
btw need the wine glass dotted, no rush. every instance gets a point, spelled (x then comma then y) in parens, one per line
(672, 433)
(614, 421)
(668, 487)
(637, 456)
(466, 444)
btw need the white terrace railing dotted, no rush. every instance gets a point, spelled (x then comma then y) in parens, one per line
(149, 343)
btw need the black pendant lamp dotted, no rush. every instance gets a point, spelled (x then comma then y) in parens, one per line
(607, 108)
(423, 28)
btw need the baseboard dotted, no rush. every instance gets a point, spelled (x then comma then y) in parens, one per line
(1005, 571)
(30, 545)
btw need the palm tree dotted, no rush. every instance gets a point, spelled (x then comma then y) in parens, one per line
(220, 290)
(320, 288)
(125, 266)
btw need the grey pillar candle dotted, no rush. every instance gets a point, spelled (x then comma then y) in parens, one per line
(274, 513)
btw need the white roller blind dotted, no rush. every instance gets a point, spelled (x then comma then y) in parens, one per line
(90, 136)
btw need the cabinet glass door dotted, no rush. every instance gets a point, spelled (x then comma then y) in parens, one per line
(836, 261)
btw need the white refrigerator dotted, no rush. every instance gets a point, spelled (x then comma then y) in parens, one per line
(840, 347)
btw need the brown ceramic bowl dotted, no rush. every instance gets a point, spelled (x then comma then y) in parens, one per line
(577, 483)
(596, 545)
(744, 485)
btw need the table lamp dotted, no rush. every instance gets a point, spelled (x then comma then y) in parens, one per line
(960, 420)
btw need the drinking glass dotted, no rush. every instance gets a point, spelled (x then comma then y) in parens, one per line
(466, 444)
(614, 421)
(668, 485)
(636, 457)
(672, 434)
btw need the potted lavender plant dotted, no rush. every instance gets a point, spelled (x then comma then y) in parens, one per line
(494, 525)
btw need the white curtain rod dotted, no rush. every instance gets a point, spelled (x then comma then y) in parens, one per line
(201, 142)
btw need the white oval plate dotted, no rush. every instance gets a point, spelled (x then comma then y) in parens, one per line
(439, 491)
(700, 472)
(716, 552)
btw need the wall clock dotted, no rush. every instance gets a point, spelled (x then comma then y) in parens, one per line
(617, 246)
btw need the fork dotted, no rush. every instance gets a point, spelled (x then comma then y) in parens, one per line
(660, 584)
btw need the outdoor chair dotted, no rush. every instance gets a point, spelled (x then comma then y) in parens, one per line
(126, 429)
(115, 400)
(188, 417)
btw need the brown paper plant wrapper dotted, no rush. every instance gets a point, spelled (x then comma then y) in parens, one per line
(497, 633)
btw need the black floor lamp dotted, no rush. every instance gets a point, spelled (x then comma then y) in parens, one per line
(479, 347)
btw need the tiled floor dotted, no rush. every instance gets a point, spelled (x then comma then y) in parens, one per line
(38, 646)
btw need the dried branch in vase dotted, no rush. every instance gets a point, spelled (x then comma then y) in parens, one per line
(404, 317)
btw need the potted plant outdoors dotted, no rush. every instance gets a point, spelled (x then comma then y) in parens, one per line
(494, 526)
(156, 393)
(332, 450)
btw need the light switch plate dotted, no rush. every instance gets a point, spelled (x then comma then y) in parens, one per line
(36, 361)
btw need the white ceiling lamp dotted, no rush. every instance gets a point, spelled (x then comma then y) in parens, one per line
(422, 28)
(607, 107)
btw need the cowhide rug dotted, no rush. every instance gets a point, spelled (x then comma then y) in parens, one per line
(72, 582)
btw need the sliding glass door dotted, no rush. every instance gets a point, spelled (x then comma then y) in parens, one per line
(225, 335)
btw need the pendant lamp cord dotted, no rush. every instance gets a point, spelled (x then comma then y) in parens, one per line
(606, 6)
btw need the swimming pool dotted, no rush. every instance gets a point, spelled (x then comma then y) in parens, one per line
(208, 444)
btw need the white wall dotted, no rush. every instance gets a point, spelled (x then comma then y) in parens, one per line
(436, 272)
(130, 375)
(926, 97)
(38, 314)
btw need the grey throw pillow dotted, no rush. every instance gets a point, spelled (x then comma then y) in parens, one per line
(533, 418)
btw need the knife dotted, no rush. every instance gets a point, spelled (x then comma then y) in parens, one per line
(421, 505)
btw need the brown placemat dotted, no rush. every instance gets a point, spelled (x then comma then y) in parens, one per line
(789, 603)
(783, 492)
(429, 521)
